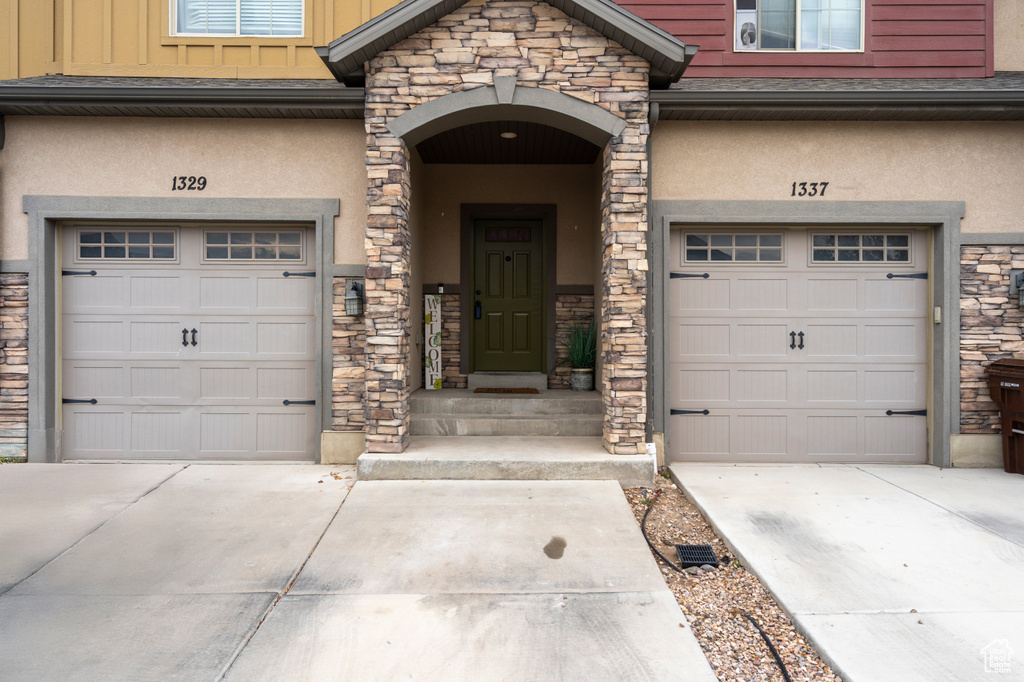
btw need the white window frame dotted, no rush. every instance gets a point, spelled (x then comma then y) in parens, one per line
(238, 25)
(797, 48)
(685, 247)
(884, 263)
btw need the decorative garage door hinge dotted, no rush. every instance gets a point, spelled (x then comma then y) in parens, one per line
(908, 413)
(298, 274)
(74, 401)
(673, 412)
(69, 273)
(681, 275)
(912, 275)
(300, 402)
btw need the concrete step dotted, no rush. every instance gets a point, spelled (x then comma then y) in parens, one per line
(507, 458)
(450, 402)
(505, 425)
(536, 380)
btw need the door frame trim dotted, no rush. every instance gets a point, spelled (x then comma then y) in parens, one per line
(547, 214)
(46, 213)
(943, 217)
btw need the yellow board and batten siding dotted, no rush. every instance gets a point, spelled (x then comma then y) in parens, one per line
(133, 38)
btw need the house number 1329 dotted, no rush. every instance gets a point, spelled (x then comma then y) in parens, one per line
(809, 189)
(188, 182)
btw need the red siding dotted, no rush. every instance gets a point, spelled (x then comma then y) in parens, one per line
(903, 39)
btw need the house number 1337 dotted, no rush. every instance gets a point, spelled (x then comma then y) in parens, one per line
(809, 189)
(188, 182)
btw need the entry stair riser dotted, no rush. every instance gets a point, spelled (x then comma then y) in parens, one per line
(462, 413)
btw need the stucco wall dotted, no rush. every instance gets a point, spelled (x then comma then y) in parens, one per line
(979, 163)
(441, 189)
(1009, 30)
(139, 157)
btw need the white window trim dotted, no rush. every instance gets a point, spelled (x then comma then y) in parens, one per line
(173, 7)
(797, 49)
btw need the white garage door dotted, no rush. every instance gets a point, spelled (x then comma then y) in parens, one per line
(186, 343)
(798, 346)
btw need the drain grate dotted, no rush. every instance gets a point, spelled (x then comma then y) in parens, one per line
(696, 555)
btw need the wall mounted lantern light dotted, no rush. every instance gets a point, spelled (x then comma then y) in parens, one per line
(1017, 286)
(354, 298)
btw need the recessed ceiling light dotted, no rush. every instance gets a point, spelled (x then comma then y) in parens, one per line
(509, 135)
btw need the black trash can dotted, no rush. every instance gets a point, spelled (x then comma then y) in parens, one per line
(1006, 386)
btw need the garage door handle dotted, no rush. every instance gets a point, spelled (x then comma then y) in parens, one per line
(300, 402)
(184, 337)
(73, 401)
(908, 413)
(194, 337)
(801, 344)
(792, 340)
(681, 275)
(674, 412)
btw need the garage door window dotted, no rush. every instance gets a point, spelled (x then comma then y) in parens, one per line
(860, 248)
(733, 248)
(128, 245)
(253, 245)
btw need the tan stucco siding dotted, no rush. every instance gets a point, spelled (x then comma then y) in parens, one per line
(1009, 27)
(978, 163)
(132, 157)
(443, 189)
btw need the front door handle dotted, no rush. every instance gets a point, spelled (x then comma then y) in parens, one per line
(478, 311)
(184, 337)
(193, 337)
(801, 344)
(792, 340)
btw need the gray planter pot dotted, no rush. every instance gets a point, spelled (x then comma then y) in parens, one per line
(582, 379)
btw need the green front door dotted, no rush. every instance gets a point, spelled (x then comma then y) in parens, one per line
(507, 317)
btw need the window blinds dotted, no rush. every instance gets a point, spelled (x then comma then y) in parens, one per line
(240, 17)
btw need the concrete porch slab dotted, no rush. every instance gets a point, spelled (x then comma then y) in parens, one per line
(507, 458)
(47, 508)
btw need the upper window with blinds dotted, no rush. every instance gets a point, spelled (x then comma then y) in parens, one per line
(801, 25)
(239, 17)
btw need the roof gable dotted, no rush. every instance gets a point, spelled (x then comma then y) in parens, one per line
(667, 54)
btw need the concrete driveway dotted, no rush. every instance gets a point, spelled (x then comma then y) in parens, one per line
(895, 573)
(275, 572)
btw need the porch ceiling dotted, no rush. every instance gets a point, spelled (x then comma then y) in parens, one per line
(481, 143)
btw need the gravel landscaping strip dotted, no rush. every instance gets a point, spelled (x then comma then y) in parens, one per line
(716, 602)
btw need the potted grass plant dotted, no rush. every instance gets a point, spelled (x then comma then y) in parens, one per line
(581, 352)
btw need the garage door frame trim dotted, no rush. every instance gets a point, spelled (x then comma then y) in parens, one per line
(943, 217)
(45, 213)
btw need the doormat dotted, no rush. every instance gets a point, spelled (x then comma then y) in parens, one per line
(505, 390)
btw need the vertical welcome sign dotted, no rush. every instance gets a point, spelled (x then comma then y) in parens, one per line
(432, 336)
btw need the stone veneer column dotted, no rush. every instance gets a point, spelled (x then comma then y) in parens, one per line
(387, 284)
(624, 269)
(990, 328)
(13, 366)
(542, 48)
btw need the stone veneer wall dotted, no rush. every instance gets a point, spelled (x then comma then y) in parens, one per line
(348, 378)
(990, 328)
(541, 47)
(568, 309)
(13, 365)
(451, 338)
